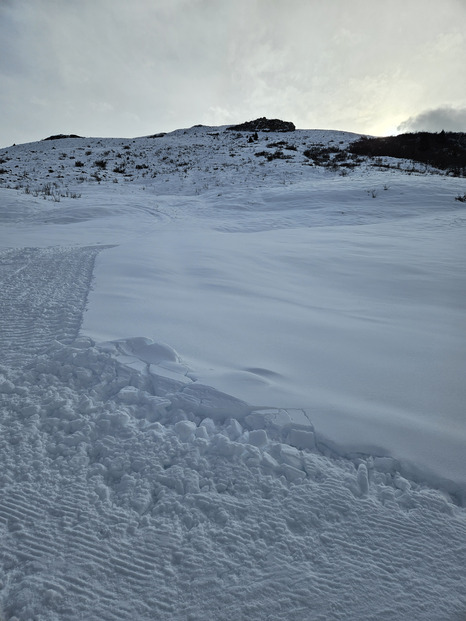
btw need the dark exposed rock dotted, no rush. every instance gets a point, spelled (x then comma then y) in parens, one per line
(61, 136)
(264, 125)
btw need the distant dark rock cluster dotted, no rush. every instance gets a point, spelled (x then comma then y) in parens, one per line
(264, 125)
(61, 136)
(444, 150)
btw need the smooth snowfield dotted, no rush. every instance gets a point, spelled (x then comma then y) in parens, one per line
(231, 387)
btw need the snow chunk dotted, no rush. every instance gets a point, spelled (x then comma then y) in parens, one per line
(129, 395)
(185, 430)
(209, 425)
(291, 473)
(221, 445)
(6, 386)
(288, 455)
(234, 429)
(201, 432)
(158, 405)
(268, 462)
(31, 409)
(148, 351)
(293, 425)
(206, 401)
(83, 342)
(258, 437)
(386, 464)
(302, 439)
(260, 419)
(362, 479)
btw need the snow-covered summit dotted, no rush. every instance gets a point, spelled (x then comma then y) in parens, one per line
(189, 157)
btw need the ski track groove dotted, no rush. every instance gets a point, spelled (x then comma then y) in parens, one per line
(43, 299)
(134, 568)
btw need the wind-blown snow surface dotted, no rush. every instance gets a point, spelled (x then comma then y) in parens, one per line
(260, 415)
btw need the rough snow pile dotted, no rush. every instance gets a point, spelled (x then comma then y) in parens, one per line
(125, 495)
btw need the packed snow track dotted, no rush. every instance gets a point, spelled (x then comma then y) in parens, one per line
(43, 293)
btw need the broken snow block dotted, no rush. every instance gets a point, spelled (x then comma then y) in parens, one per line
(362, 479)
(302, 439)
(291, 473)
(258, 437)
(185, 429)
(290, 455)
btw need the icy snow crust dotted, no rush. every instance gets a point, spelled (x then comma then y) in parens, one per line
(261, 415)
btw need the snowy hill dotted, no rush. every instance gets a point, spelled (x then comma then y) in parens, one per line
(231, 380)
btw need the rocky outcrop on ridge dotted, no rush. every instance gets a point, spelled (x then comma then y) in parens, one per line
(264, 125)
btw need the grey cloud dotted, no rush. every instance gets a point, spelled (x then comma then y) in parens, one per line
(10, 63)
(112, 67)
(445, 118)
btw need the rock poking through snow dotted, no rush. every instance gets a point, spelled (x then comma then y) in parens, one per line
(264, 125)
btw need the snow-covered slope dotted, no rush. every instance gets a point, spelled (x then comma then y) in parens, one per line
(231, 381)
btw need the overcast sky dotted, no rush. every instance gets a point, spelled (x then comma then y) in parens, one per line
(136, 67)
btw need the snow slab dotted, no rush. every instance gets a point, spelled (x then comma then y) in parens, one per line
(359, 326)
